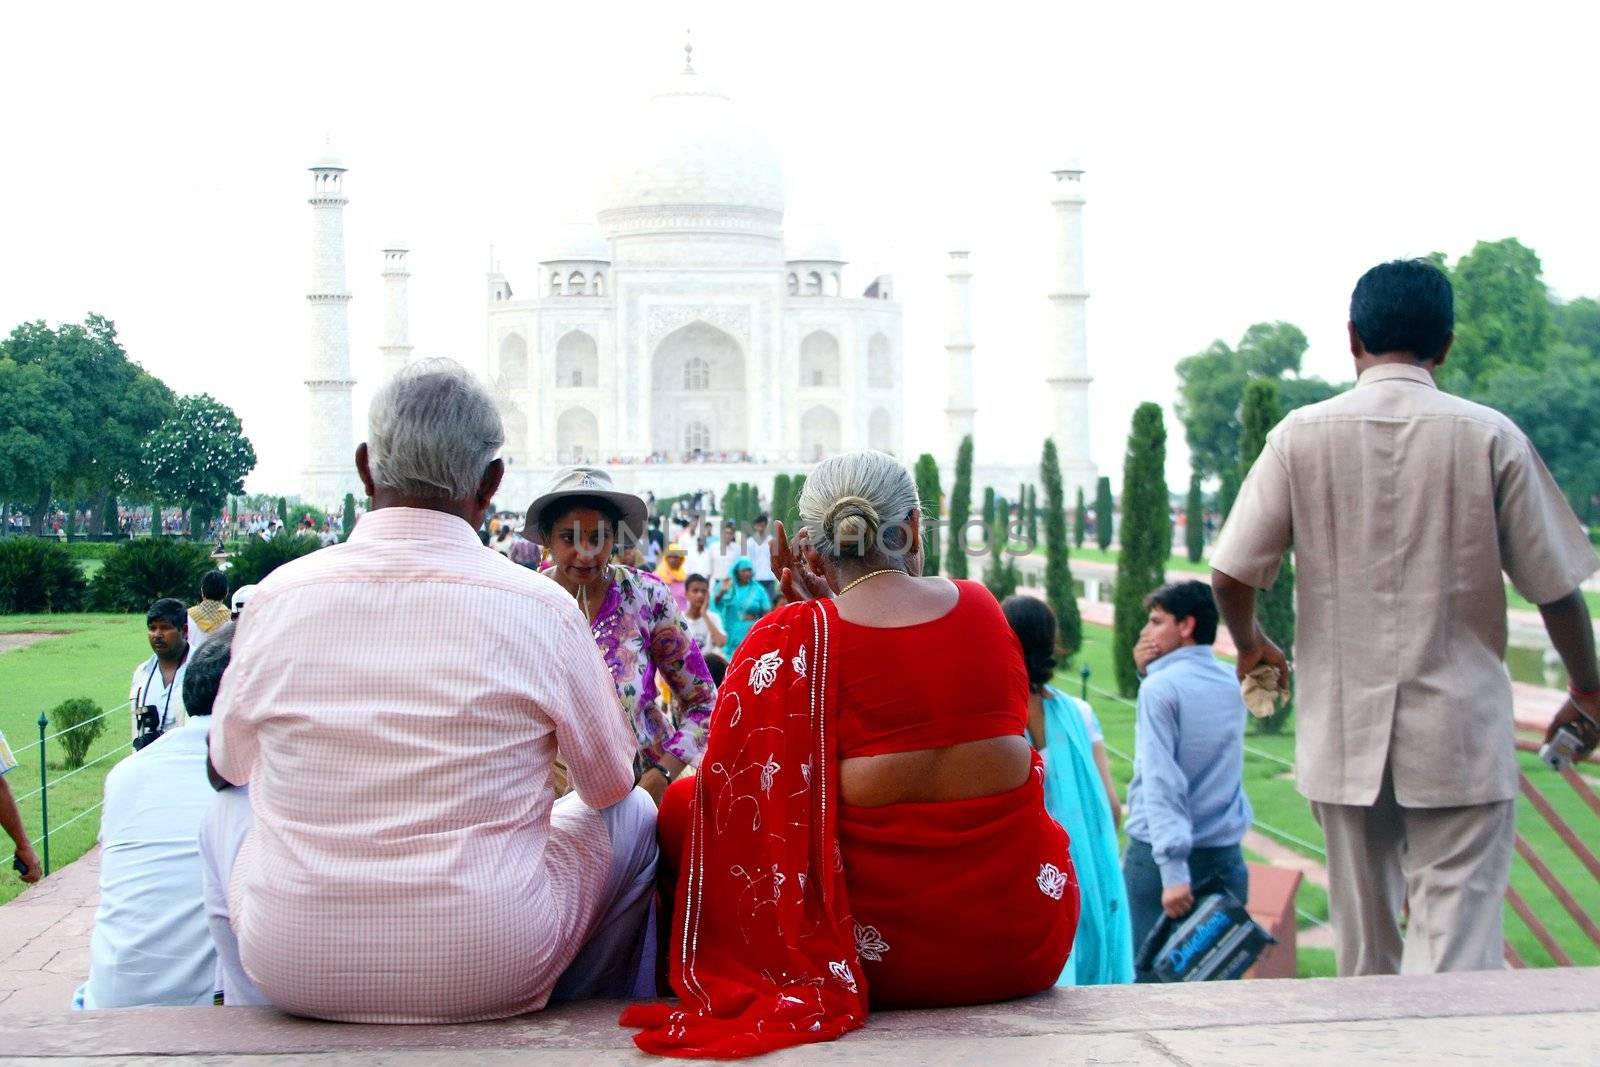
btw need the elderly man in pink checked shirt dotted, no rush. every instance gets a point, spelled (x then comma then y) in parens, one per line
(406, 861)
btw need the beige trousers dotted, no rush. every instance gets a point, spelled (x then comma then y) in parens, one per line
(1447, 866)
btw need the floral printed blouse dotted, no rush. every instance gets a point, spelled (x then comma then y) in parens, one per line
(641, 633)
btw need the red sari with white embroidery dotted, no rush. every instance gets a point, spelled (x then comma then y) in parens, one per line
(791, 907)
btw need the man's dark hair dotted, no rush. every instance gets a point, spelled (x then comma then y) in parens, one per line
(717, 667)
(1405, 305)
(1188, 600)
(687, 582)
(1035, 626)
(214, 585)
(203, 676)
(761, 517)
(170, 611)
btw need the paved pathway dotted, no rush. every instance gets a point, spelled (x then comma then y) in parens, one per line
(44, 938)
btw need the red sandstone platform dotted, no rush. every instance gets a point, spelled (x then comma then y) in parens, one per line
(1523, 1017)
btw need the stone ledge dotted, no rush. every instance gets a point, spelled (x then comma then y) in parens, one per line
(1538, 1012)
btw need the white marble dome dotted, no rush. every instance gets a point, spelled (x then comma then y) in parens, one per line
(577, 242)
(688, 147)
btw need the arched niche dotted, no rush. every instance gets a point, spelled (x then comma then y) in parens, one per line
(577, 436)
(819, 434)
(819, 361)
(697, 375)
(577, 361)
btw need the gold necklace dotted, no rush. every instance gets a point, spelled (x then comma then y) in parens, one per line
(871, 574)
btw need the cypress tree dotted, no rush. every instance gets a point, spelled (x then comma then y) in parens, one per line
(988, 509)
(960, 511)
(1080, 518)
(797, 486)
(1259, 412)
(1195, 520)
(780, 500)
(928, 494)
(283, 512)
(1104, 521)
(349, 515)
(1033, 516)
(1001, 575)
(1058, 591)
(1146, 539)
(730, 503)
(1228, 490)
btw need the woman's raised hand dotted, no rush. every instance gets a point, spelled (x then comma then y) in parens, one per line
(794, 577)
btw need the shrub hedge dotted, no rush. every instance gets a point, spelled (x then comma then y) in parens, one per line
(37, 575)
(142, 571)
(259, 558)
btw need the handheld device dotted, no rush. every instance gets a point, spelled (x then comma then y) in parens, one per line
(149, 725)
(1561, 749)
(17, 864)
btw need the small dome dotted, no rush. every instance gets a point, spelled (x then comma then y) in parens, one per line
(328, 159)
(814, 244)
(578, 241)
(690, 147)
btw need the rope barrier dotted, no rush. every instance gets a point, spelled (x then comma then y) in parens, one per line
(57, 781)
(1250, 749)
(124, 706)
(75, 818)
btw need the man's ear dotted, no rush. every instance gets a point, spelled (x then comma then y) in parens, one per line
(489, 485)
(364, 469)
(1357, 349)
(1186, 627)
(1445, 353)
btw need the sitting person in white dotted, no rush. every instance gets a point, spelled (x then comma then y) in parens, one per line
(151, 944)
(158, 681)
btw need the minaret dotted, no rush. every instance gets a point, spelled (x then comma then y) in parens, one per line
(396, 345)
(1068, 373)
(330, 467)
(961, 406)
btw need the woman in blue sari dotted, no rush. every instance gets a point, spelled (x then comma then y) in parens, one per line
(741, 602)
(1079, 795)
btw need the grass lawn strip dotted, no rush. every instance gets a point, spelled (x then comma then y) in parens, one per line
(94, 656)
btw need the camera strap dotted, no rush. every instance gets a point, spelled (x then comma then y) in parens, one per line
(144, 696)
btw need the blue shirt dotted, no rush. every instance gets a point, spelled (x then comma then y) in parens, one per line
(1188, 760)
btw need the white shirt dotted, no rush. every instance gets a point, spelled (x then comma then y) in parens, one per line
(722, 559)
(150, 688)
(222, 832)
(760, 552)
(699, 633)
(151, 945)
(698, 561)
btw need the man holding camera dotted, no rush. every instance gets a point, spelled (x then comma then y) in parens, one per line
(157, 690)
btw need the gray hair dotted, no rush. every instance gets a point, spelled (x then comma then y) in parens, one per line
(203, 674)
(858, 502)
(432, 430)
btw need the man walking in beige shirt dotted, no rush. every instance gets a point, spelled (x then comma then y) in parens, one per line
(1404, 505)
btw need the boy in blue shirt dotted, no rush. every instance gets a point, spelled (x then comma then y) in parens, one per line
(1186, 803)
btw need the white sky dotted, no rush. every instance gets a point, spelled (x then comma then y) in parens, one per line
(1245, 163)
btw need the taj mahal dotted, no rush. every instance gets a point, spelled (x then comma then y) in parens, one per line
(684, 337)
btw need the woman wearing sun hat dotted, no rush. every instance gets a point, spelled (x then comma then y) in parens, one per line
(632, 614)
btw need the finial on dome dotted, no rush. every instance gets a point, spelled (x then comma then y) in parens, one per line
(688, 53)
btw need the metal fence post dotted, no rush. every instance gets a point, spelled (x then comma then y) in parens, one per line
(44, 792)
(1084, 674)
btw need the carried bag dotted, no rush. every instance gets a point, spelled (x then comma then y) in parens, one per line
(1217, 940)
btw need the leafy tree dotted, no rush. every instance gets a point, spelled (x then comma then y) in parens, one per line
(33, 445)
(1272, 349)
(77, 724)
(1195, 520)
(349, 516)
(37, 575)
(1559, 409)
(298, 513)
(928, 494)
(259, 557)
(198, 456)
(104, 406)
(1275, 606)
(1080, 520)
(1503, 316)
(1578, 324)
(142, 571)
(1104, 520)
(1058, 592)
(960, 511)
(1146, 538)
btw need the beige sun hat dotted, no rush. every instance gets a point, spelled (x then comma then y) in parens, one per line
(586, 481)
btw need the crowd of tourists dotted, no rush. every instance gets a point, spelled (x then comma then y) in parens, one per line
(786, 778)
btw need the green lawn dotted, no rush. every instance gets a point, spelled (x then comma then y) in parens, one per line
(1281, 813)
(95, 658)
(1516, 602)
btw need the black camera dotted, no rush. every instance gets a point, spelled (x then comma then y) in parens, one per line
(148, 725)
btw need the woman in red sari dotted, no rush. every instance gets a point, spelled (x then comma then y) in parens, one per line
(868, 824)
